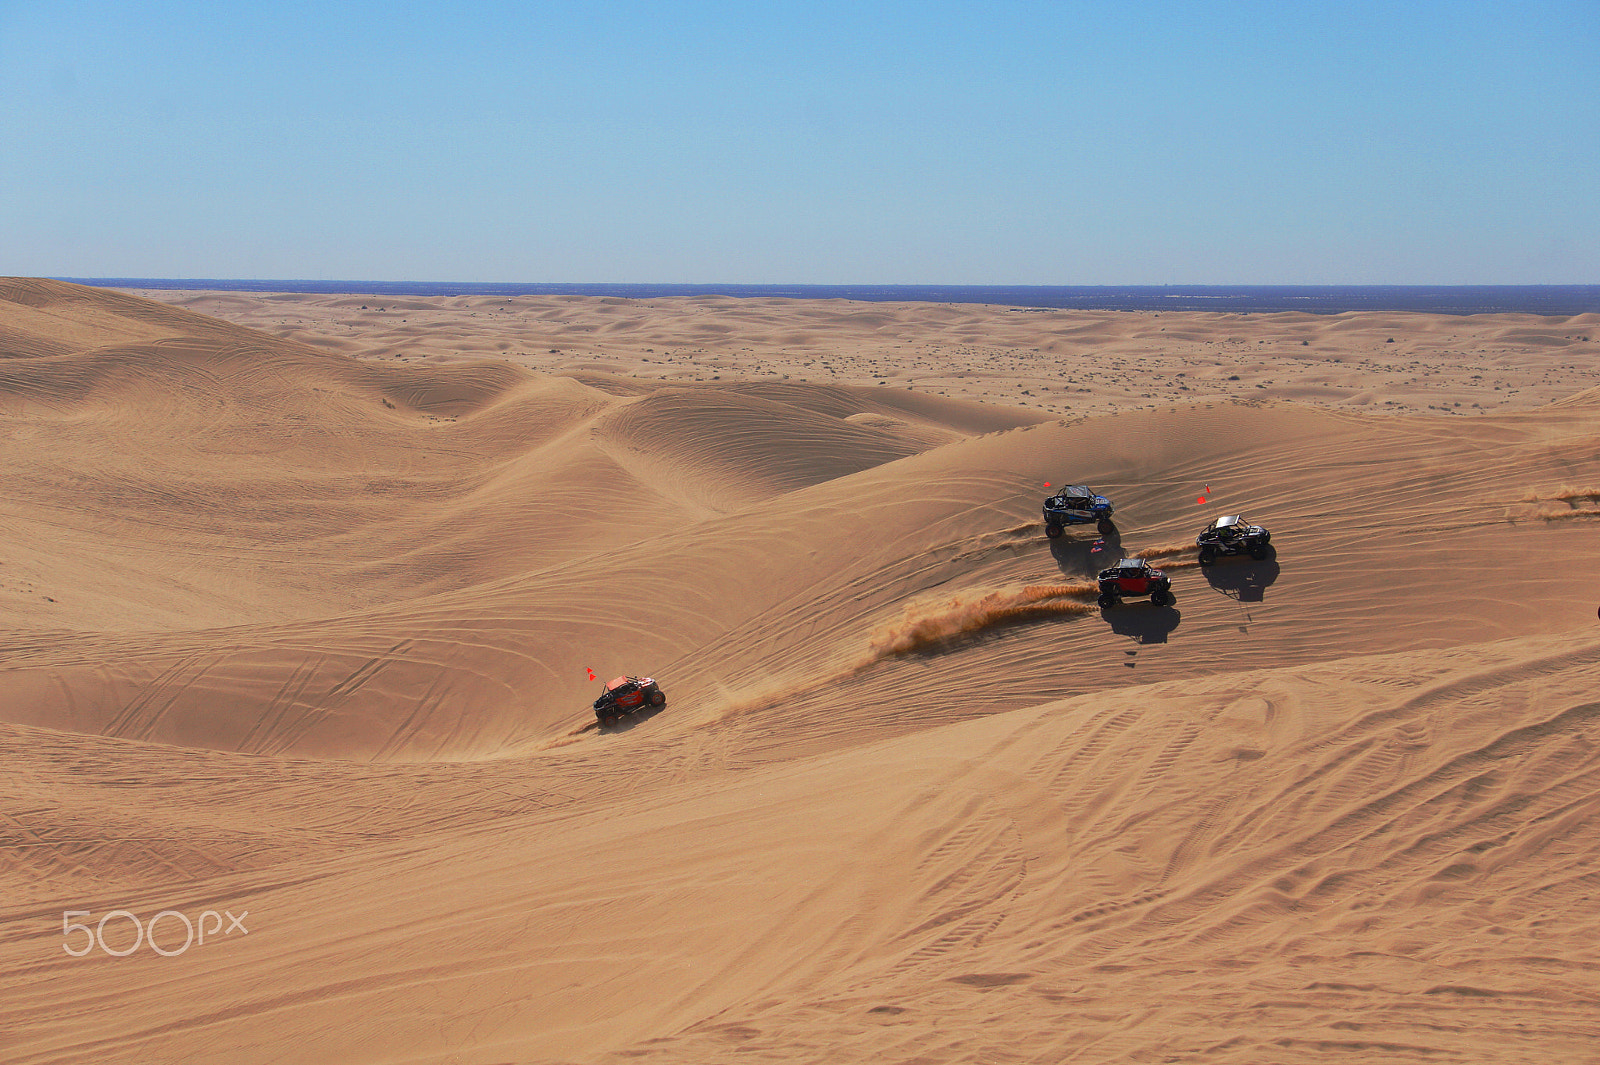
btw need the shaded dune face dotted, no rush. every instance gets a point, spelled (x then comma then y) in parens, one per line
(293, 632)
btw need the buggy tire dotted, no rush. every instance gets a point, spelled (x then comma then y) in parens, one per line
(1107, 599)
(1053, 530)
(658, 698)
(1258, 552)
(1208, 555)
(1160, 597)
(1106, 526)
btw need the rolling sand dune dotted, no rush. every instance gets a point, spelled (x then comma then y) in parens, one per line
(300, 609)
(1055, 362)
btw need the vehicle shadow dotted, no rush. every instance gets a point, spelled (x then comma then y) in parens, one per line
(1144, 622)
(1086, 557)
(1243, 578)
(633, 720)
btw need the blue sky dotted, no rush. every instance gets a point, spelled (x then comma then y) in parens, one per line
(817, 142)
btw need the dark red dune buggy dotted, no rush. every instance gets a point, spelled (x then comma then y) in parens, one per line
(1134, 576)
(624, 695)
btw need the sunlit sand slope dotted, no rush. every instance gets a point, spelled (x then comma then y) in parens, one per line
(1389, 858)
(1383, 533)
(295, 634)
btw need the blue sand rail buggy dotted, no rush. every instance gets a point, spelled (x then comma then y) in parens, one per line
(1077, 504)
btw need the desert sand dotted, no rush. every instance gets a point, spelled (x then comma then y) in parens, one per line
(301, 596)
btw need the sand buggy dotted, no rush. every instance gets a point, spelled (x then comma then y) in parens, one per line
(1134, 576)
(1077, 504)
(1232, 535)
(624, 695)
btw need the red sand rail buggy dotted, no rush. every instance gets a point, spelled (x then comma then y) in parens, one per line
(1134, 576)
(625, 695)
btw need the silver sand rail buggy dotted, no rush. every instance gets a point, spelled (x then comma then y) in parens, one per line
(1232, 535)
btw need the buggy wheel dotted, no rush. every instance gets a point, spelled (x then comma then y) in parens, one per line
(1160, 597)
(1053, 530)
(1106, 526)
(658, 698)
(1208, 555)
(1108, 599)
(1258, 552)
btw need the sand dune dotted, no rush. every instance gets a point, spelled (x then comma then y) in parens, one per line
(296, 627)
(1054, 362)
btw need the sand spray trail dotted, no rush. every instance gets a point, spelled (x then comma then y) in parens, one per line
(928, 624)
(1580, 503)
(933, 624)
(1170, 556)
(1562, 504)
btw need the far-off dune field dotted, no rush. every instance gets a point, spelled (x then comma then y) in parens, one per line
(305, 601)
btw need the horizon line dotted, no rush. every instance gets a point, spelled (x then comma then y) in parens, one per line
(851, 284)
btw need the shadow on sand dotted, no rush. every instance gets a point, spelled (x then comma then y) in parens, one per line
(1144, 622)
(1243, 578)
(1086, 557)
(638, 717)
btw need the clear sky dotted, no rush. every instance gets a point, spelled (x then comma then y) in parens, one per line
(1002, 142)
